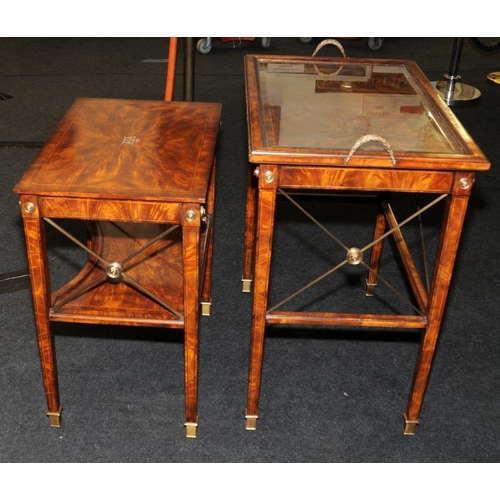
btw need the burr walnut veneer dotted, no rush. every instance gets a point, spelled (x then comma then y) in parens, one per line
(141, 174)
(349, 128)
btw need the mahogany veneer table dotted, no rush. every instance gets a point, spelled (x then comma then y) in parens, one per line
(141, 174)
(351, 127)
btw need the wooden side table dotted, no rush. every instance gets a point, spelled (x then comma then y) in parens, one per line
(352, 127)
(141, 174)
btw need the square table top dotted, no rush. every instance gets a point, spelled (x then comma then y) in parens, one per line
(128, 149)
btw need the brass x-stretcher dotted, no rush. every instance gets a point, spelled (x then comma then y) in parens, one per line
(354, 256)
(116, 270)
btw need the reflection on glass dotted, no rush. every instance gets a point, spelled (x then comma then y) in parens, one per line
(331, 105)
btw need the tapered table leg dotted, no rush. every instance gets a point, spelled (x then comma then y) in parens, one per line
(190, 245)
(455, 214)
(376, 252)
(265, 225)
(250, 218)
(206, 291)
(37, 260)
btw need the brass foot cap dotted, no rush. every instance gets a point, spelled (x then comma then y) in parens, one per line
(55, 417)
(191, 429)
(247, 285)
(410, 425)
(370, 289)
(251, 422)
(205, 308)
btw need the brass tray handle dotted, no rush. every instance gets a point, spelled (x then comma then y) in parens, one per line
(368, 138)
(329, 41)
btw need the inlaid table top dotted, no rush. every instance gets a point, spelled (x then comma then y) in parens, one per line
(128, 149)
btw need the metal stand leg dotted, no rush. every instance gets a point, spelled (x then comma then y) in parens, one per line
(451, 91)
(188, 69)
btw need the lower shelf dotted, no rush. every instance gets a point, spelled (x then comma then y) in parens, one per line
(133, 276)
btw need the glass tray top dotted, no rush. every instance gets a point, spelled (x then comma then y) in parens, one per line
(329, 104)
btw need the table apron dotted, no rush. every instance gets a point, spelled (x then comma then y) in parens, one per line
(364, 179)
(110, 210)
